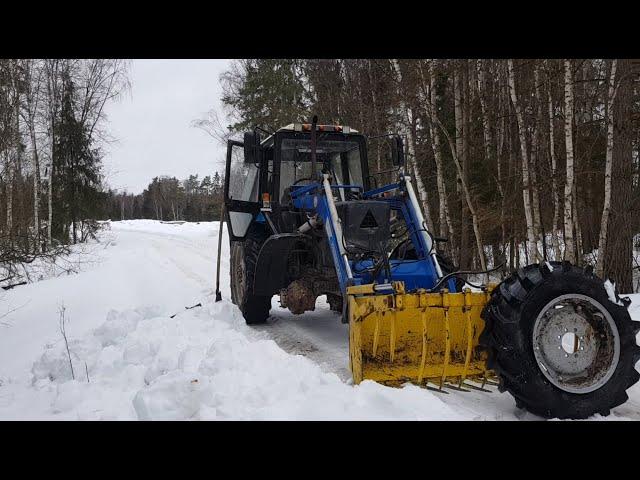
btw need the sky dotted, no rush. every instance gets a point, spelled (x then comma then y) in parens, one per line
(152, 123)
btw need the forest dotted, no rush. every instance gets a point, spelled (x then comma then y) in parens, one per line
(516, 161)
(167, 198)
(53, 132)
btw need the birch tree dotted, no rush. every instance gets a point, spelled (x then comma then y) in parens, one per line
(52, 74)
(536, 135)
(526, 190)
(554, 174)
(32, 94)
(569, 249)
(486, 129)
(602, 241)
(446, 225)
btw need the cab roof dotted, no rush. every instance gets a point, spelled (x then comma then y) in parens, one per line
(306, 127)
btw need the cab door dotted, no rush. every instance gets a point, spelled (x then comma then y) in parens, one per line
(241, 191)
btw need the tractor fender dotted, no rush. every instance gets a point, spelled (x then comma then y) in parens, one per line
(271, 267)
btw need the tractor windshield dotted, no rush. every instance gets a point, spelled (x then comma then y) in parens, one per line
(344, 156)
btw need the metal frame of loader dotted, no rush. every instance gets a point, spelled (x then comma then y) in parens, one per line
(375, 307)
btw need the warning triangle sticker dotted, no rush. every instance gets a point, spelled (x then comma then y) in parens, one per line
(368, 221)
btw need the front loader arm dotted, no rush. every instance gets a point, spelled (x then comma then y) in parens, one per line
(319, 198)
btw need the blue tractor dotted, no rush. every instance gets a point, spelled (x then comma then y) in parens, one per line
(306, 218)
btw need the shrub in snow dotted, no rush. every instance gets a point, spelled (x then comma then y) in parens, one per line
(53, 364)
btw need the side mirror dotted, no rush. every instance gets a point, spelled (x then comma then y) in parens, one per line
(397, 151)
(252, 147)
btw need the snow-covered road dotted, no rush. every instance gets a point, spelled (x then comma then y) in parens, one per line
(132, 360)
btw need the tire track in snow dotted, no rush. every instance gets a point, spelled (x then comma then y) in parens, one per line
(318, 335)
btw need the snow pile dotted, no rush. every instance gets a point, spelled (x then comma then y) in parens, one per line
(206, 365)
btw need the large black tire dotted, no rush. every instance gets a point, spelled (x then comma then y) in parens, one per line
(508, 336)
(244, 256)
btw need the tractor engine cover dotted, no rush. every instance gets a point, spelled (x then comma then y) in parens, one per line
(365, 224)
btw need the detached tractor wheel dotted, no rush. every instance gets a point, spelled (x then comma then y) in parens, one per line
(558, 343)
(244, 255)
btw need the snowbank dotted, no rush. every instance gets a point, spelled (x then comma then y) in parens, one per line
(206, 365)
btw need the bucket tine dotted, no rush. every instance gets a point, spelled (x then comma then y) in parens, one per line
(467, 314)
(435, 389)
(392, 336)
(455, 387)
(447, 346)
(475, 387)
(423, 316)
(376, 335)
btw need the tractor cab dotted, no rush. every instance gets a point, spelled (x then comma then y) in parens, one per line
(266, 171)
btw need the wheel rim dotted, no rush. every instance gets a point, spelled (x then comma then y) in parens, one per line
(576, 343)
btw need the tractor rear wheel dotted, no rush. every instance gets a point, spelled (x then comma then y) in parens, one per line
(558, 343)
(244, 256)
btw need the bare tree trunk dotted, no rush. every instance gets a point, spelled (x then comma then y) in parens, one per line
(602, 241)
(52, 71)
(501, 133)
(569, 250)
(32, 97)
(467, 196)
(422, 191)
(9, 186)
(408, 128)
(576, 225)
(554, 180)
(50, 203)
(375, 115)
(528, 212)
(486, 130)
(458, 85)
(466, 92)
(36, 192)
(446, 225)
(535, 162)
(618, 253)
(466, 192)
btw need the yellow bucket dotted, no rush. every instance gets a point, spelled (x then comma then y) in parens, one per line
(415, 337)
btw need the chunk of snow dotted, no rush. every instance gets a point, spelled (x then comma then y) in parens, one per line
(611, 292)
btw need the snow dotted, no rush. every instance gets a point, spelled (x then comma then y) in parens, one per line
(611, 292)
(132, 360)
